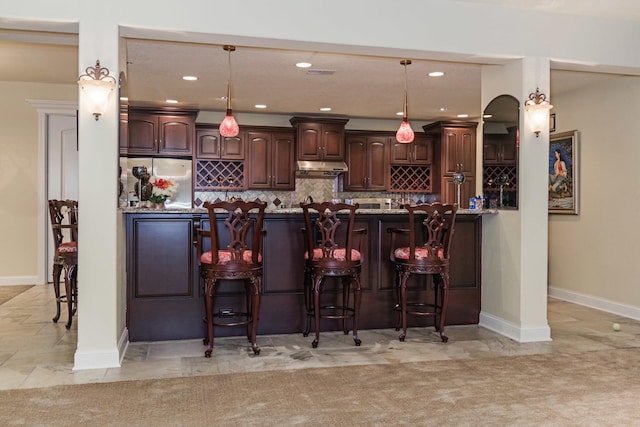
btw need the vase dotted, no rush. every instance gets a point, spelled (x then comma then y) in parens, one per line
(158, 206)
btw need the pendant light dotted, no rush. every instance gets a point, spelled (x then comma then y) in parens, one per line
(229, 126)
(405, 134)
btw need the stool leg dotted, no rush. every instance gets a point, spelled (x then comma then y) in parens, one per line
(57, 269)
(444, 296)
(404, 277)
(346, 292)
(68, 287)
(255, 310)
(308, 302)
(209, 298)
(317, 282)
(398, 306)
(357, 295)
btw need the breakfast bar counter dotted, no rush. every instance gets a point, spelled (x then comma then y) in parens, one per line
(164, 289)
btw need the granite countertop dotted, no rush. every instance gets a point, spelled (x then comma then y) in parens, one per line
(296, 211)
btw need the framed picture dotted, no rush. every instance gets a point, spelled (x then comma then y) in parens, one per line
(563, 173)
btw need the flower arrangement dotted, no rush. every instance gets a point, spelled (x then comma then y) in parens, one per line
(162, 190)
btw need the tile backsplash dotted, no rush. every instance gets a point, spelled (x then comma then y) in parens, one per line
(320, 189)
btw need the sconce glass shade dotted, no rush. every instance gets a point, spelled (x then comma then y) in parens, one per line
(537, 108)
(229, 126)
(96, 86)
(405, 134)
(97, 95)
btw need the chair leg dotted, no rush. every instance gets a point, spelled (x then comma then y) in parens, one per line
(57, 269)
(357, 296)
(69, 279)
(317, 282)
(255, 310)
(404, 278)
(444, 300)
(209, 298)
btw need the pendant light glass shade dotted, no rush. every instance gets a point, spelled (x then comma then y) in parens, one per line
(229, 127)
(405, 134)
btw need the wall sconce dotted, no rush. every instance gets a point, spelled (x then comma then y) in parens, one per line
(537, 108)
(97, 85)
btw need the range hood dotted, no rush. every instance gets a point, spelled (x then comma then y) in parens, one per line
(320, 168)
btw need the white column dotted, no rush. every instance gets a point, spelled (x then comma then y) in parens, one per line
(99, 323)
(514, 263)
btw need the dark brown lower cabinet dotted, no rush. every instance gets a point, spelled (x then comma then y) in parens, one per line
(164, 288)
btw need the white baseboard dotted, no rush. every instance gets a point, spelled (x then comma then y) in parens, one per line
(513, 331)
(625, 310)
(102, 359)
(19, 280)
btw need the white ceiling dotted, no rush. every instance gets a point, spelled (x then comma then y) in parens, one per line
(362, 86)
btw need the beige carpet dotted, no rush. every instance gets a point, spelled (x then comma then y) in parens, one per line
(587, 389)
(9, 292)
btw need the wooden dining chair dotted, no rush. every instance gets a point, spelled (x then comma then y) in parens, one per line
(429, 231)
(231, 250)
(64, 225)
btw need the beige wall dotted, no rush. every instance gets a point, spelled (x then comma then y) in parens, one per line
(593, 256)
(18, 175)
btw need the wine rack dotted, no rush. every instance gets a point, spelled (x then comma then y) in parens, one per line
(411, 179)
(214, 175)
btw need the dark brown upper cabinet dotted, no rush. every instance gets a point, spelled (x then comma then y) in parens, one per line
(210, 145)
(367, 160)
(419, 152)
(319, 138)
(161, 132)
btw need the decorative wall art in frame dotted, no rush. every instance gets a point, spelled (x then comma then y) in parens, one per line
(563, 173)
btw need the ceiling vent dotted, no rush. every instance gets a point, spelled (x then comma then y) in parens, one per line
(321, 72)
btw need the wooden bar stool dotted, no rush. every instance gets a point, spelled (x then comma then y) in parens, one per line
(331, 251)
(234, 253)
(429, 232)
(64, 224)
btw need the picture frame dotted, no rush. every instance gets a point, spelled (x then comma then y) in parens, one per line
(564, 178)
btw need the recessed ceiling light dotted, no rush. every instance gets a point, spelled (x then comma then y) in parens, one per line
(189, 78)
(124, 98)
(325, 109)
(171, 101)
(260, 106)
(487, 116)
(400, 113)
(303, 64)
(443, 108)
(462, 116)
(436, 74)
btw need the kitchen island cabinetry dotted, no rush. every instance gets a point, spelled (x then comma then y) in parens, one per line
(164, 289)
(271, 160)
(367, 160)
(319, 138)
(161, 132)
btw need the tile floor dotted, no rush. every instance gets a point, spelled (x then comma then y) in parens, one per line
(35, 352)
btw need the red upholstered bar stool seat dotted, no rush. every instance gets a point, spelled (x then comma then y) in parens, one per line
(64, 225)
(230, 249)
(422, 248)
(331, 250)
